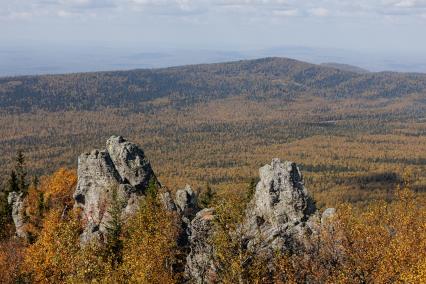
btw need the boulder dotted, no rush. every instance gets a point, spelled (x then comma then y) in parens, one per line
(328, 215)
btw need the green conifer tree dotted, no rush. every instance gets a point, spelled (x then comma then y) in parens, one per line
(152, 189)
(21, 172)
(207, 196)
(114, 229)
(13, 184)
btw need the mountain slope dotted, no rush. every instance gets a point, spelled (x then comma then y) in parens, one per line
(186, 85)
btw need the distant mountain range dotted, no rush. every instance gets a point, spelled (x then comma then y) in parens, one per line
(42, 58)
(258, 79)
(346, 67)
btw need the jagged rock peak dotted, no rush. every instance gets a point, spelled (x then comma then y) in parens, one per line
(122, 166)
(129, 161)
(280, 195)
(279, 210)
(277, 218)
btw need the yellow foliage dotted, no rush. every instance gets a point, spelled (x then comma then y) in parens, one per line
(150, 249)
(234, 263)
(52, 258)
(53, 192)
(57, 256)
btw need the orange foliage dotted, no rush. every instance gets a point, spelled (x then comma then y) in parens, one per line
(384, 243)
(58, 188)
(53, 192)
(10, 261)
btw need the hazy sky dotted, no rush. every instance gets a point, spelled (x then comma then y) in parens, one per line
(388, 25)
(55, 36)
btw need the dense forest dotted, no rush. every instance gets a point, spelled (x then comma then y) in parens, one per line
(354, 134)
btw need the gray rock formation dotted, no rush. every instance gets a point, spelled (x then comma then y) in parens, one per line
(186, 202)
(167, 200)
(278, 218)
(122, 167)
(130, 162)
(16, 201)
(278, 213)
(199, 262)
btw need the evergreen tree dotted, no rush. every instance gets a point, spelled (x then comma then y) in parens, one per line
(251, 189)
(21, 172)
(13, 184)
(40, 197)
(152, 189)
(207, 196)
(114, 229)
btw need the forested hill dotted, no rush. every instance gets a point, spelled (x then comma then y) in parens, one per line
(278, 78)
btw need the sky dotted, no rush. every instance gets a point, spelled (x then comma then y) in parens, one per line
(49, 30)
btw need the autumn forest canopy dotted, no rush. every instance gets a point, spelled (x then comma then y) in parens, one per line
(359, 140)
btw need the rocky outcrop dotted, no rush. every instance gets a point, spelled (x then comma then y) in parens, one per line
(130, 162)
(278, 218)
(186, 203)
(199, 263)
(278, 213)
(16, 201)
(123, 168)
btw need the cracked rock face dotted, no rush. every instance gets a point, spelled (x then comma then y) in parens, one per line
(277, 215)
(122, 167)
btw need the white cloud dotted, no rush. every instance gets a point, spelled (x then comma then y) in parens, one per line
(286, 13)
(319, 12)
(283, 8)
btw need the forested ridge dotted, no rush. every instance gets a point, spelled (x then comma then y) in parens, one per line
(182, 86)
